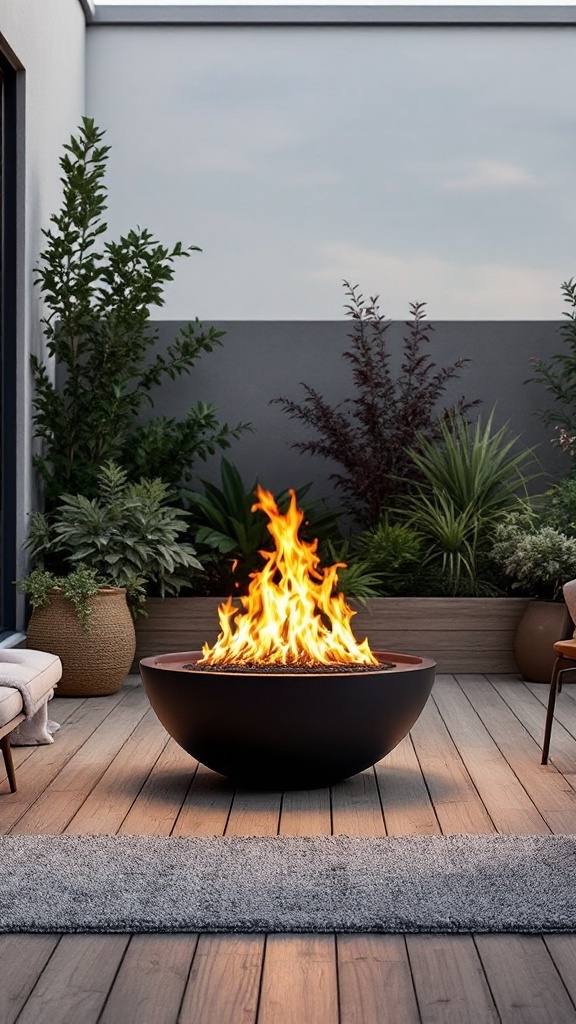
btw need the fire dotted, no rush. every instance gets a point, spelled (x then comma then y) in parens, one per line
(291, 614)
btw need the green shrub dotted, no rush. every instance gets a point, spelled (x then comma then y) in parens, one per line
(230, 536)
(557, 507)
(394, 552)
(99, 297)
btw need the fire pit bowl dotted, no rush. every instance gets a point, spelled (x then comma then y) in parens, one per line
(273, 730)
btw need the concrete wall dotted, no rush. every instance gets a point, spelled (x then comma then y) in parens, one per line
(258, 361)
(46, 42)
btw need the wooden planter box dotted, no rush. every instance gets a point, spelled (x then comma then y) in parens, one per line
(462, 634)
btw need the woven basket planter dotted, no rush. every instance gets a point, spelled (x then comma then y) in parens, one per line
(95, 662)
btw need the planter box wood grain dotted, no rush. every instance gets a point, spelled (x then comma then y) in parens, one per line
(461, 634)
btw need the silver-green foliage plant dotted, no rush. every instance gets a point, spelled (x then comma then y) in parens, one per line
(129, 535)
(538, 559)
(471, 478)
(79, 586)
(98, 295)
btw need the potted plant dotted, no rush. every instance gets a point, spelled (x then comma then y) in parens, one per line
(97, 560)
(539, 559)
(87, 623)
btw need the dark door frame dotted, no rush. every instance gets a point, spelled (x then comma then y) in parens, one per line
(8, 340)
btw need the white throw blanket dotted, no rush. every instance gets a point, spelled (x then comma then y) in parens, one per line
(37, 728)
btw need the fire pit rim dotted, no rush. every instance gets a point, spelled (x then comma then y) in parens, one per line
(175, 660)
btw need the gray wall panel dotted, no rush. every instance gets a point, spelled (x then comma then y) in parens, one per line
(259, 360)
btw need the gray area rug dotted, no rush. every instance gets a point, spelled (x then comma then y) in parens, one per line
(288, 884)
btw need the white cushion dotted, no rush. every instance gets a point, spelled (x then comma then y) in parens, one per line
(39, 670)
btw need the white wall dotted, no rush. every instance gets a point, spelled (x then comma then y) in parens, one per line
(47, 38)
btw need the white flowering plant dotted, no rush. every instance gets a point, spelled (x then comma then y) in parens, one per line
(539, 559)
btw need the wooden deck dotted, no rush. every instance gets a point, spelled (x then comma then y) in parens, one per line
(471, 765)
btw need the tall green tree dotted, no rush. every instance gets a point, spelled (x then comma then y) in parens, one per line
(98, 297)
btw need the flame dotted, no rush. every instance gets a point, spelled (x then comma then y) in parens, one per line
(284, 618)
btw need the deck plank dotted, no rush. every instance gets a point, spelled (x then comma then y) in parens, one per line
(523, 979)
(111, 799)
(224, 982)
(22, 960)
(356, 807)
(306, 812)
(151, 980)
(65, 795)
(74, 985)
(551, 793)
(408, 809)
(506, 800)
(299, 980)
(46, 762)
(562, 949)
(254, 814)
(158, 804)
(206, 808)
(529, 706)
(375, 980)
(449, 980)
(457, 804)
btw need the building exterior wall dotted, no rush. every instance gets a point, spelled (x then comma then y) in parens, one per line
(46, 42)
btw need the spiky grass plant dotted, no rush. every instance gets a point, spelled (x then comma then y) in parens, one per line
(471, 478)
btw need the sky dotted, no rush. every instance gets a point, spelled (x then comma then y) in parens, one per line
(424, 165)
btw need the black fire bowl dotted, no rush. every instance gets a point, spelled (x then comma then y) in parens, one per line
(278, 731)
